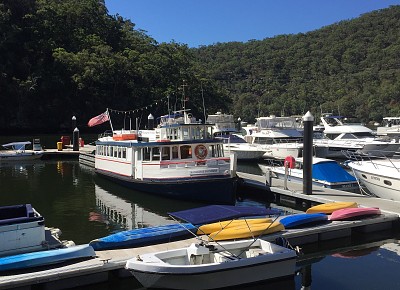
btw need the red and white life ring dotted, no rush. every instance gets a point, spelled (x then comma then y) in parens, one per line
(201, 151)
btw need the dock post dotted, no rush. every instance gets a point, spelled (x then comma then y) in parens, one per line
(73, 122)
(308, 121)
(75, 140)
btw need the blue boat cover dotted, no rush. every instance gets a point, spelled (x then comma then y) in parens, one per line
(331, 172)
(215, 213)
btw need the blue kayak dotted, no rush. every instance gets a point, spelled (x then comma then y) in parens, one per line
(304, 219)
(44, 258)
(144, 236)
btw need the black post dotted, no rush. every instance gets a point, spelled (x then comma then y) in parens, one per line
(75, 140)
(239, 125)
(308, 121)
(73, 122)
(150, 122)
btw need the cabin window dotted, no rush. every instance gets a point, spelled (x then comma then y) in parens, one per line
(146, 154)
(220, 150)
(212, 150)
(387, 182)
(186, 152)
(165, 153)
(185, 133)
(363, 175)
(155, 153)
(175, 154)
(124, 153)
(119, 152)
(115, 151)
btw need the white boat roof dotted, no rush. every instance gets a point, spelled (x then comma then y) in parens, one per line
(17, 144)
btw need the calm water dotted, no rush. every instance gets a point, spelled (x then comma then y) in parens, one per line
(84, 206)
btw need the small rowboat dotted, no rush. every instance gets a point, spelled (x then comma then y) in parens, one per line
(213, 265)
(305, 219)
(218, 226)
(241, 232)
(329, 208)
(351, 213)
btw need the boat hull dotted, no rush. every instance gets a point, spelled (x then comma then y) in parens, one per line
(42, 258)
(344, 186)
(386, 187)
(221, 190)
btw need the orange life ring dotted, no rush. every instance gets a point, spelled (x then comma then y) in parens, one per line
(201, 151)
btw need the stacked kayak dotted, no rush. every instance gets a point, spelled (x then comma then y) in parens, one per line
(330, 207)
(144, 236)
(302, 220)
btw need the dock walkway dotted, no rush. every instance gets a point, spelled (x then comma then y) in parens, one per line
(294, 195)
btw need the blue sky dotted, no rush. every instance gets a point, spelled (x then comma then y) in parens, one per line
(205, 22)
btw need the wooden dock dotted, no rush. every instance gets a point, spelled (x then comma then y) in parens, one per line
(293, 195)
(110, 264)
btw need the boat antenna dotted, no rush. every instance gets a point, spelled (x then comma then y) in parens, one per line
(202, 96)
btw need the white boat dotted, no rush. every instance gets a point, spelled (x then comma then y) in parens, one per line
(212, 265)
(339, 136)
(325, 173)
(22, 230)
(224, 128)
(380, 175)
(277, 136)
(390, 126)
(243, 150)
(16, 151)
(179, 160)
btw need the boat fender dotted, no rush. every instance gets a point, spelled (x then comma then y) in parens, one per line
(289, 162)
(201, 151)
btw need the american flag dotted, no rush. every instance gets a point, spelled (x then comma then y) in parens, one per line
(100, 119)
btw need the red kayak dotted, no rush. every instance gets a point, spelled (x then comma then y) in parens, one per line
(350, 213)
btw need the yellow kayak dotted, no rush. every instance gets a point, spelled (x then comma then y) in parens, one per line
(329, 208)
(215, 227)
(241, 232)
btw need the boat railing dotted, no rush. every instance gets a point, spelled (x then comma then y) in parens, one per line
(373, 156)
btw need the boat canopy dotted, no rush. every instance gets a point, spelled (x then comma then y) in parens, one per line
(17, 145)
(331, 172)
(215, 213)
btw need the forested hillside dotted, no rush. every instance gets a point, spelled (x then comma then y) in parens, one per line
(352, 68)
(60, 58)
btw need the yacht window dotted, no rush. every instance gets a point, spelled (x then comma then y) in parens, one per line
(119, 152)
(349, 136)
(186, 152)
(175, 152)
(165, 153)
(387, 182)
(146, 154)
(124, 153)
(332, 136)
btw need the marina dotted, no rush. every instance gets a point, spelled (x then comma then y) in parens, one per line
(109, 264)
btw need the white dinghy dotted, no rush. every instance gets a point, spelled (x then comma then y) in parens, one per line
(210, 265)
